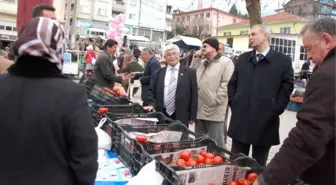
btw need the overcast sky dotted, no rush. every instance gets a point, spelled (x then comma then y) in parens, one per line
(267, 6)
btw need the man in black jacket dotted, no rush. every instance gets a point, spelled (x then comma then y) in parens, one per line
(173, 89)
(104, 73)
(309, 150)
(259, 91)
(152, 65)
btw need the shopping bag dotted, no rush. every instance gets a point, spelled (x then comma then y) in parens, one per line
(104, 140)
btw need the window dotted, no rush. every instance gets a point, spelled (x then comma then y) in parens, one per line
(234, 20)
(14, 28)
(285, 30)
(227, 34)
(183, 18)
(202, 15)
(244, 32)
(84, 9)
(131, 16)
(303, 54)
(102, 12)
(207, 15)
(188, 17)
(178, 19)
(8, 28)
(284, 46)
(2, 27)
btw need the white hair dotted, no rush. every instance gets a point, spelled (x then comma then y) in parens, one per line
(89, 47)
(171, 47)
(264, 29)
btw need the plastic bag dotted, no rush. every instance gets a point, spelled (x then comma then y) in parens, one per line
(104, 140)
(149, 170)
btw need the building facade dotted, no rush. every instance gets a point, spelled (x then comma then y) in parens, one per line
(310, 8)
(149, 18)
(285, 38)
(203, 22)
(93, 14)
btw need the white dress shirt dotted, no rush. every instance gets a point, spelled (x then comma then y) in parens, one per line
(168, 76)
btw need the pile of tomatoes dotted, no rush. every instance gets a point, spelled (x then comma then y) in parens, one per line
(248, 181)
(204, 158)
(115, 91)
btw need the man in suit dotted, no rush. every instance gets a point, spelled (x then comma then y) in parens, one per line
(259, 91)
(152, 64)
(104, 73)
(173, 89)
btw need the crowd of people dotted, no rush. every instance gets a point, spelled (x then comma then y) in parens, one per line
(47, 134)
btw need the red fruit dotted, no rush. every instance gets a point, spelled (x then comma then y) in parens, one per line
(191, 163)
(208, 161)
(200, 159)
(217, 160)
(240, 181)
(210, 155)
(181, 163)
(185, 155)
(103, 110)
(141, 139)
(246, 182)
(232, 183)
(252, 177)
(203, 152)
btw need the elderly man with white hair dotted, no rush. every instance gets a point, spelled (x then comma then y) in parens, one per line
(173, 89)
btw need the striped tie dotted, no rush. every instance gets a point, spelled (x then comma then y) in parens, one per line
(170, 99)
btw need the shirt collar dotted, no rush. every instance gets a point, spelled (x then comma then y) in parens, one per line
(177, 67)
(263, 53)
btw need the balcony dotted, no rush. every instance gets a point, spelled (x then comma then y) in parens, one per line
(8, 7)
(169, 16)
(118, 6)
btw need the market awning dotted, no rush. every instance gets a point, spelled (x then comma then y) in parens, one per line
(187, 42)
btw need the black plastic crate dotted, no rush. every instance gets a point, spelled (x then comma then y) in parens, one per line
(169, 172)
(131, 151)
(98, 95)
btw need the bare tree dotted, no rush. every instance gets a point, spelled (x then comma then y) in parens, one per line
(199, 28)
(254, 10)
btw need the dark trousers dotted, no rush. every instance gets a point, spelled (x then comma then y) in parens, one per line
(259, 153)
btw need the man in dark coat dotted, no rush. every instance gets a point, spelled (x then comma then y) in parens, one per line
(183, 88)
(259, 91)
(104, 73)
(309, 150)
(151, 65)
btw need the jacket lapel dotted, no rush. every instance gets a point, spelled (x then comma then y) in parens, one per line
(161, 80)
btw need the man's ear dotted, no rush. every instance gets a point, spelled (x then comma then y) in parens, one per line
(327, 39)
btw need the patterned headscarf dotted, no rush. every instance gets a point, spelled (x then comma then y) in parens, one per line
(42, 37)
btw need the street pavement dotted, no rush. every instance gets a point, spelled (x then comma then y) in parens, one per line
(287, 122)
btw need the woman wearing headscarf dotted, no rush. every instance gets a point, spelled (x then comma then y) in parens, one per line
(47, 135)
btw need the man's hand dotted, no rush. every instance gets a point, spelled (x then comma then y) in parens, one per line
(149, 108)
(191, 122)
(129, 76)
(199, 53)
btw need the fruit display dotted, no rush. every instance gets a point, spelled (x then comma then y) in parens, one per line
(114, 91)
(248, 181)
(204, 158)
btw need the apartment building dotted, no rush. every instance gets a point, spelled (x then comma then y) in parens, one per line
(8, 16)
(203, 22)
(149, 18)
(118, 7)
(93, 15)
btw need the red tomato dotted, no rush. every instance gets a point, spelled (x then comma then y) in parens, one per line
(141, 139)
(203, 152)
(200, 159)
(208, 161)
(252, 177)
(246, 182)
(232, 183)
(217, 160)
(191, 163)
(181, 162)
(103, 110)
(185, 155)
(240, 181)
(210, 155)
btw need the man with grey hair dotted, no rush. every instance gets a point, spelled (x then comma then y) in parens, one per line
(309, 150)
(173, 89)
(259, 91)
(151, 65)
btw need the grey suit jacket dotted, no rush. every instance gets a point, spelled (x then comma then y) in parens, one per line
(104, 73)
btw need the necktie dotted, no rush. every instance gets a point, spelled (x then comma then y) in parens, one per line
(170, 99)
(259, 55)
